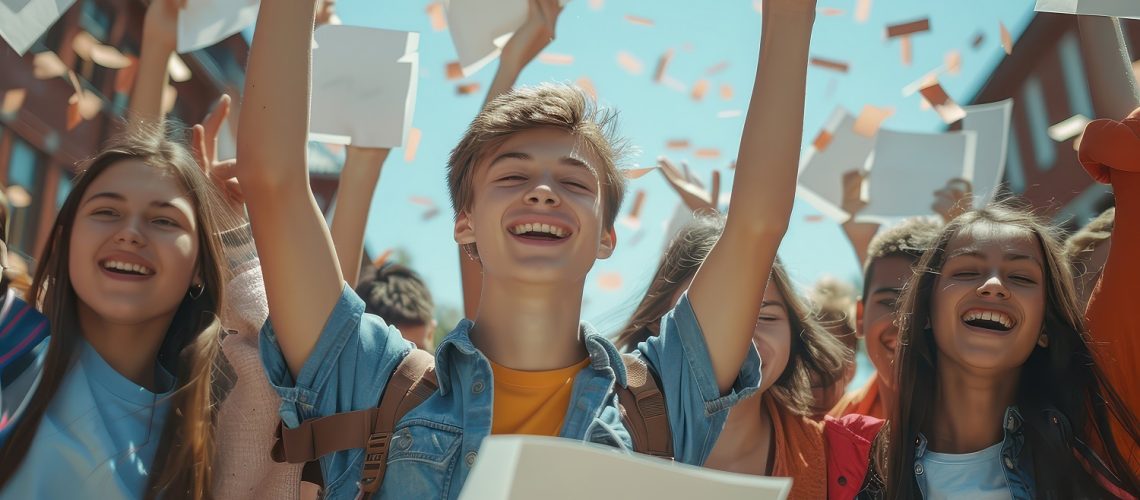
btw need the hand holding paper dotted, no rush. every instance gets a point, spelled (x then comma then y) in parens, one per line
(206, 22)
(480, 29)
(954, 199)
(534, 35)
(160, 26)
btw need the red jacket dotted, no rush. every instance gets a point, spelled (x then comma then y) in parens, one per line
(848, 440)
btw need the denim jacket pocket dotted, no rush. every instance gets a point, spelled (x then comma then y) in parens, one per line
(421, 459)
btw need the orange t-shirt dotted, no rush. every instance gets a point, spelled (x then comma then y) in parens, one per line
(800, 452)
(532, 403)
(862, 401)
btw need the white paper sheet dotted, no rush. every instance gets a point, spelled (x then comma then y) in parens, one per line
(206, 22)
(480, 28)
(907, 168)
(529, 467)
(1115, 8)
(991, 123)
(22, 22)
(364, 85)
(821, 172)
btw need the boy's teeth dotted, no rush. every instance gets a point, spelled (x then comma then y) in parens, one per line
(538, 228)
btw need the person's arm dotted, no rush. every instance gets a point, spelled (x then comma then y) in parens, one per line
(160, 38)
(534, 35)
(859, 234)
(303, 279)
(1108, 67)
(353, 200)
(727, 290)
(692, 194)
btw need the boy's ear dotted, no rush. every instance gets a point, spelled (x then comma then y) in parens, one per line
(859, 318)
(608, 243)
(464, 230)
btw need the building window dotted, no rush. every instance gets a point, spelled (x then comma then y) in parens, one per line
(1080, 102)
(25, 169)
(63, 189)
(95, 20)
(1033, 97)
(1014, 167)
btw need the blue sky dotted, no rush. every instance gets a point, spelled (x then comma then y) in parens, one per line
(702, 35)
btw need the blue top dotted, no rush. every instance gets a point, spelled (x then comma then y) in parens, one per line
(978, 475)
(435, 444)
(98, 437)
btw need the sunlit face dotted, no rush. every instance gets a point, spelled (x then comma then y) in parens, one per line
(989, 300)
(772, 337)
(537, 213)
(875, 313)
(134, 244)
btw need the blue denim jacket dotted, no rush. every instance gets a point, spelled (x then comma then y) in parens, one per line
(1018, 467)
(434, 446)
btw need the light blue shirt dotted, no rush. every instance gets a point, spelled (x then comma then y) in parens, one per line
(978, 475)
(434, 446)
(98, 437)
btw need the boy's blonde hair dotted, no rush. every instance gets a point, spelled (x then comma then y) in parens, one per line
(556, 106)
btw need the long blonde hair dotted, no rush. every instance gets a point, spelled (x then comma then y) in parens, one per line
(190, 347)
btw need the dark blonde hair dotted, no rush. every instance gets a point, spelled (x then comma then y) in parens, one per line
(190, 347)
(815, 354)
(1062, 376)
(554, 106)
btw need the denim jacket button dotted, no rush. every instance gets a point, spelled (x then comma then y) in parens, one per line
(477, 387)
(470, 458)
(918, 469)
(1008, 463)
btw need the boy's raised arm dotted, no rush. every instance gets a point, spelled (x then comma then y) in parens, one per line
(728, 289)
(358, 180)
(302, 277)
(160, 28)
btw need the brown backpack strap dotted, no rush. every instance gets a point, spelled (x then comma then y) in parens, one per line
(411, 383)
(643, 410)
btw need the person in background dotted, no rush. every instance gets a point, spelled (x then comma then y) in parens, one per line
(1087, 252)
(834, 303)
(400, 296)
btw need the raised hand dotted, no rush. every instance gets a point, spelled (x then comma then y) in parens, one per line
(954, 199)
(534, 35)
(853, 201)
(205, 145)
(692, 193)
(160, 25)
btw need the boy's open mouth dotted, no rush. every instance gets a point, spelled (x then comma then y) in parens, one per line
(988, 320)
(541, 232)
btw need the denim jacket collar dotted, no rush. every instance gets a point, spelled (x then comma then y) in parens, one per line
(1018, 474)
(603, 354)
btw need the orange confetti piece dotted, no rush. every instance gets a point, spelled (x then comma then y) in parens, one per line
(946, 108)
(862, 11)
(13, 101)
(830, 11)
(831, 64)
(813, 218)
(907, 51)
(467, 88)
(1006, 39)
(628, 62)
(596, 4)
(726, 92)
(716, 68)
(662, 65)
(700, 89)
(677, 144)
(382, 258)
(640, 21)
(48, 65)
(870, 119)
(587, 86)
(908, 28)
(638, 203)
(954, 62)
(125, 77)
(822, 140)
(422, 201)
(437, 16)
(707, 153)
(413, 144)
(609, 281)
(453, 70)
(555, 59)
(636, 173)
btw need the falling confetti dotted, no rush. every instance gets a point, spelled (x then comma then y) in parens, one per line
(412, 145)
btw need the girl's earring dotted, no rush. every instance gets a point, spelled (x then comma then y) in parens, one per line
(197, 290)
(1043, 340)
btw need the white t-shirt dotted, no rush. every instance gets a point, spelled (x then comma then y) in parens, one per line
(978, 475)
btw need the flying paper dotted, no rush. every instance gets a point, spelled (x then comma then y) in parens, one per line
(905, 29)
(436, 16)
(907, 50)
(991, 123)
(555, 59)
(831, 64)
(870, 119)
(633, 219)
(480, 28)
(821, 168)
(628, 62)
(510, 467)
(946, 108)
(862, 10)
(206, 22)
(453, 70)
(412, 144)
(707, 153)
(726, 92)
(677, 144)
(907, 168)
(22, 22)
(1113, 8)
(640, 21)
(662, 65)
(700, 89)
(364, 86)
(953, 62)
(467, 88)
(587, 86)
(1069, 128)
(636, 173)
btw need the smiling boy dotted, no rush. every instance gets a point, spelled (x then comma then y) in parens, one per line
(536, 190)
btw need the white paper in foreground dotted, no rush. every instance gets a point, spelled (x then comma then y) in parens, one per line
(364, 85)
(480, 28)
(1114, 8)
(991, 123)
(22, 22)
(529, 467)
(206, 22)
(907, 168)
(821, 172)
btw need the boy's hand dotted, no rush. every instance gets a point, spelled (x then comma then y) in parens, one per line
(160, 26)
(954, 199)
(205, 146)
(692, 193)
(853, 202)
(534, 35)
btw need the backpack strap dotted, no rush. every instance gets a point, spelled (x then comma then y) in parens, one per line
(642, 407)
(411, 383)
